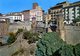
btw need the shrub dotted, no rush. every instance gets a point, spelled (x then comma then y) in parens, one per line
(27, 35)
(77, 49)
(49, 44)
(67, 50)
(52, 45)
(31, 37)
(19, 31)
(11, 38)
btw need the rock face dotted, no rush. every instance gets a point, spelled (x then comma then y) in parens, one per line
(20, 43)
(71, 34)
(28, 49)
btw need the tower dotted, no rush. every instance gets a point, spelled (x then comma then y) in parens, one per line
(35, 5)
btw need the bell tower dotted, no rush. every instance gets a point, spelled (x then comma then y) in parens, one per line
(35, 5)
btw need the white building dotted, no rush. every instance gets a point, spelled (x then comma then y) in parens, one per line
(17, 16)
(71, 12)
(37, 13)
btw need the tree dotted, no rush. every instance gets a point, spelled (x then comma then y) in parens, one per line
(67, 50)
(77, 49)
(49, 44)
(52, 45)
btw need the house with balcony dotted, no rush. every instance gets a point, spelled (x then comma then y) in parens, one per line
(56, 13)
(71, 12)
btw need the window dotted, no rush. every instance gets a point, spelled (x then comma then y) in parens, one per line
(14, 17)
(73, 9)
(51, 15)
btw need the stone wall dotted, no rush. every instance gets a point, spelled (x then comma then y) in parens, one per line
(71, 34)
(20, 25)
(4, 28)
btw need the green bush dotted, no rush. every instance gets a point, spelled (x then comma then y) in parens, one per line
(19, 31)
(52, 45)
(27, 35)
(11, 38)
(49, 44)
(31, 37)
(67, 50)
(77, 49)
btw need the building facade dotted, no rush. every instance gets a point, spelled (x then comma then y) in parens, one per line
(37, 13)
(35, 5)
(16, 16)
(71, 12)
(56, 13)
(57, 9)
(26, 14)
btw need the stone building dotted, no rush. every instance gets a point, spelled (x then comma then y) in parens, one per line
(26, 14)
(36, 17)
(35, 5)
(56, 13)
(64, 13)
(47, 18)
(36, 12)
(4, 25)
(71, 12)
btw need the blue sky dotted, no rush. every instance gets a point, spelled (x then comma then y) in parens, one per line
(7, 6)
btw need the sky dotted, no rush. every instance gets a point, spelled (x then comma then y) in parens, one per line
(7, 6)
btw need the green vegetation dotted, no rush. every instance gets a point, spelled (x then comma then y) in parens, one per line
(11, 38)
(19, 31)
(31, 37)
(77, 50)
(66, 50)
(51, 45)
